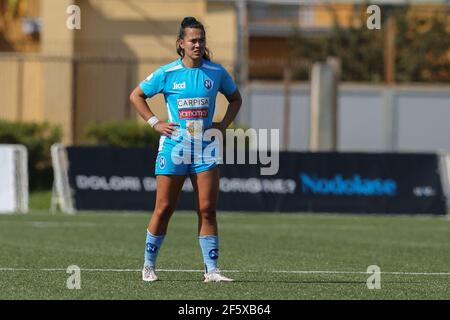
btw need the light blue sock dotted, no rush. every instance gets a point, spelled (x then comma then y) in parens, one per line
(210, 250)
(152, 245)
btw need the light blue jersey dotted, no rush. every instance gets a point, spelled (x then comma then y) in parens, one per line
(190, 95)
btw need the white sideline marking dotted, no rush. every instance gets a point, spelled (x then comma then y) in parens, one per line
(238, 271)
(48, 224)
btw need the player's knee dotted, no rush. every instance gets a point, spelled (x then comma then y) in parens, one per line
(207, 212)
(163, 211)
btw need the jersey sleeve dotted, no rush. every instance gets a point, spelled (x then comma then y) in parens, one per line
(227, 85)
(154, 83)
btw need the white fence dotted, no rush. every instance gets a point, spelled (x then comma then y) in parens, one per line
(370, 118)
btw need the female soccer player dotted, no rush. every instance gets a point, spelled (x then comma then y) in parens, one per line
(190, 85)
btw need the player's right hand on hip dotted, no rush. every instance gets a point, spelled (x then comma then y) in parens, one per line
(166, 128)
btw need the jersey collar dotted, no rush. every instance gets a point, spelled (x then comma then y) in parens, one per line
(181, 63)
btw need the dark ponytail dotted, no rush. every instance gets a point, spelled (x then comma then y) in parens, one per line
(191, 22)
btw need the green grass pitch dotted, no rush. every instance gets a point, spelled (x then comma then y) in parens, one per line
(271, 256)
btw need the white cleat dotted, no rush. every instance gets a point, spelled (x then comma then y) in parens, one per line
(216, 276)
(148, 274)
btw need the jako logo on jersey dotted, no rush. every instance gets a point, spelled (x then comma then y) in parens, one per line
(193, 102)
(162, 162)
(208, 84)
(193, 113)
(214, 254)
(179, 85)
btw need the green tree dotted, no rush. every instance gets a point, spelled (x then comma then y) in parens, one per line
(422, 47)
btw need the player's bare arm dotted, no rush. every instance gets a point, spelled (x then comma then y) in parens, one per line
(138, 98)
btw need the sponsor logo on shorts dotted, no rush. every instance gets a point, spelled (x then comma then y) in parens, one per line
(214, 254)
(193, 113)
(193, 102)
(162, 162)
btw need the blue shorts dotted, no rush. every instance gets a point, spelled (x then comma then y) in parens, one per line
(182, 160)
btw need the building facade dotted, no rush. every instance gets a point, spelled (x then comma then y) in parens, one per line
(77, 77)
